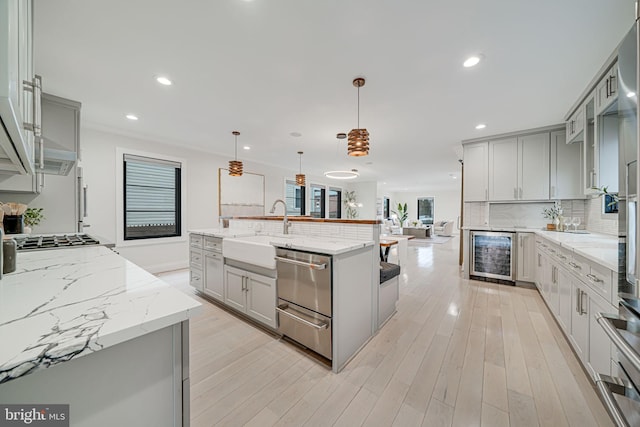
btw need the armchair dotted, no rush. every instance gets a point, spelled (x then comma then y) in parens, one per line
(443, 228)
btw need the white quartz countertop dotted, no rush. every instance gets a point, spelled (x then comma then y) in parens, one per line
(63, 304)
(223, 232)
(323, 245)
(599, 248)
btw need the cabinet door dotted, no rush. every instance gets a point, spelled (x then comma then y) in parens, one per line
(195, 278)
(526, 257)
(475, 172)
(213, 275)
(579, 319)
(261, 299)
(235, 288)
(533, 157)
(564, 299)
(566, 168)
(599, 343)
(607, 90)
(503, 169)
(539, 268)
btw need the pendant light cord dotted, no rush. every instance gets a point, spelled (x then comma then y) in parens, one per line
(358, 106)
(236, 156)
(300, 163)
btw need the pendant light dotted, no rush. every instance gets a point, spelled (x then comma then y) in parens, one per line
(235, 166)
(300, 178)
(358, 144)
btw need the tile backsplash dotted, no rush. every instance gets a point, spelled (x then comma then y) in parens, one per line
(596, 221)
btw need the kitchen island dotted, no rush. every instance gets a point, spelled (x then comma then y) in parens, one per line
(88, 328)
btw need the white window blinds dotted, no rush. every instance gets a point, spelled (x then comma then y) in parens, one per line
(151, 197)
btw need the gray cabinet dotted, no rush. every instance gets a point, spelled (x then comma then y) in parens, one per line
(213, 275)
(607, 89)
(252, 294)
(566, 168)
(476, 172)
(526, 257)
(519, 168)
(580, 319)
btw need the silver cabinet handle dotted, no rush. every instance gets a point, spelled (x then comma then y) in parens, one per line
(539, 260)
(574, 265)
(612, 90)
(562, 256)
(578, 301)
(282, 309)
(607, 387)
(594, 278)
(583, 310)
(85, 190)
(302, 263)
(611, 325)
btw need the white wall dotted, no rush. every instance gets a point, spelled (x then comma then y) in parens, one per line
(366, 193)
(201, 210)
(446, 203)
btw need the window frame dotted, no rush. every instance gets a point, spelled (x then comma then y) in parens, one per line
(302, 198)
(120, 195)
(340, 190)
(323, 196)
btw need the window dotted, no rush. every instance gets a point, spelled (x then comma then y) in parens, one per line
(335, 203)
(425, 210)
(317, 208)
(295, 198)
(386, 208)
(151, 198)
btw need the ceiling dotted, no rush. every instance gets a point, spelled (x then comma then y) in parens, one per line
(272, 67)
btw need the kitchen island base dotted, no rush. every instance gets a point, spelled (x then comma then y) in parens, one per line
(140, 382)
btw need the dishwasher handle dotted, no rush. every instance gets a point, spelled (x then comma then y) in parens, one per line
(302, 263)
(282, 308)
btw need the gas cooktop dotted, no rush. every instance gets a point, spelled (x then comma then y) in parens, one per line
(55, 241)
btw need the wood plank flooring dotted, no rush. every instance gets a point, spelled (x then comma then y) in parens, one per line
(457, 353)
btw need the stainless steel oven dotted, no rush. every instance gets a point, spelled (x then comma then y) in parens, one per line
(492, 255)
(304, 299)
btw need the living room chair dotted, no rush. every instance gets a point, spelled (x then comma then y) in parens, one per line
(443, 228)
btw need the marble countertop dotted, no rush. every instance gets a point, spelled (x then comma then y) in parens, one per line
(323, 245)
(63, 304)
(223, 232)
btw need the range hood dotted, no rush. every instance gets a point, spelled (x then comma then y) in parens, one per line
(54, 158)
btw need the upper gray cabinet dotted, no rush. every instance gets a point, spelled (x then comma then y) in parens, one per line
(565, 168)
(575, 125)
(607, 90)
(19, 88)
(519, 168)
(475, 172)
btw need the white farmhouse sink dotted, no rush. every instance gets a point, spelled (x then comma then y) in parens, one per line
(254, 250)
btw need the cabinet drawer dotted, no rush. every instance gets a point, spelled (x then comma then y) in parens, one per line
(599, 278)
(563, 256)
(579, 266)
(212, 243)
(195, 240)
(195, 258)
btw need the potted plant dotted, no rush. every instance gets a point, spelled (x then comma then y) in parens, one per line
(401, 213)
(32, 217)
(552, 214)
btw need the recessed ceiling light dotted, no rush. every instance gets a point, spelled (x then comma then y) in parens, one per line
(631, 94)
(164, 81)
(296, 134)
(481, 126)
(471, 61)
(132, 117)
(369, 163)
(246, 147)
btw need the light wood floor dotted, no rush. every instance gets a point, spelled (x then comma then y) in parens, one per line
(457, 353)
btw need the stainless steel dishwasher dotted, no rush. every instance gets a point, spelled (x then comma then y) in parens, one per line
(305, 298)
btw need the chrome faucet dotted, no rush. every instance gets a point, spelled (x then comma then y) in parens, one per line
(285, 224)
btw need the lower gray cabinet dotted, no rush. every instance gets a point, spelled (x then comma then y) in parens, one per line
(213, 275)
(252, 294)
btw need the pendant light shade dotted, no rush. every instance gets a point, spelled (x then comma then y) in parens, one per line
(358, 143)
(235, 166)
(300, 178)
